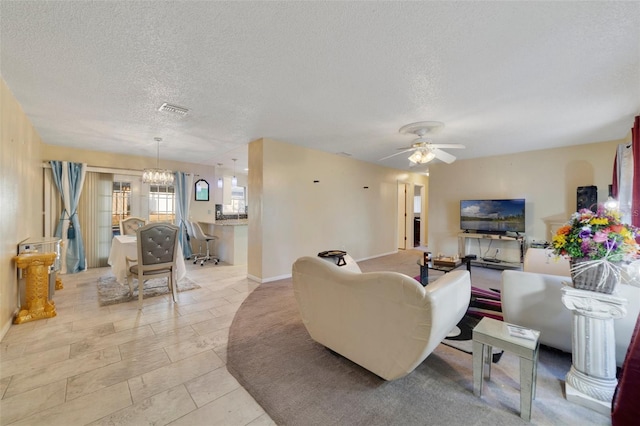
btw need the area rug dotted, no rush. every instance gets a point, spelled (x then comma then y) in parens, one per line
(484, 303)
(299, 382)
(110, 292)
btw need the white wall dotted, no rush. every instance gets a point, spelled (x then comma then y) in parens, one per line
(292, 216)
(547, 179)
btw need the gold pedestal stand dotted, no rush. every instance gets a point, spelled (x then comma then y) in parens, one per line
(36, 266)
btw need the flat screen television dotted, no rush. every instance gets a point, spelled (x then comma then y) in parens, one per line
(492, 216)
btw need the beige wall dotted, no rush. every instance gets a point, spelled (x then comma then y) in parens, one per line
(293, 216)
(200, 210)
(547, 179)
(21, 188)
(20, 195)
(290, 216)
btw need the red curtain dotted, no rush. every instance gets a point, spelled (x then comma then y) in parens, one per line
(635, 203)
(624, 408)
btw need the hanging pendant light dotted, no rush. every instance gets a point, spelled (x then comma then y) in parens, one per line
(234, 179)
(220, 182)
(157, 176)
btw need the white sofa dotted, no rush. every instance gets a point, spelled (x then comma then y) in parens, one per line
(534, 300)
(386, 322)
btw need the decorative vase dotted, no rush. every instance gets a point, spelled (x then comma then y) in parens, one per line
(599, 275)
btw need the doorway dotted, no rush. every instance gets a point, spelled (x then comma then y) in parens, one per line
(402, 215)
(417, 215)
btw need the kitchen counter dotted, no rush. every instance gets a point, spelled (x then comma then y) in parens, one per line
(233, 239)
(231, 222)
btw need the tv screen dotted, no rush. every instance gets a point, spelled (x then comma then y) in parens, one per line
(492, 216)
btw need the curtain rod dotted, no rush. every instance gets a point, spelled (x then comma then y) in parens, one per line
(113, 170)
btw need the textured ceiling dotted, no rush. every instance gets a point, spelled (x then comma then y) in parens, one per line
(504, 77)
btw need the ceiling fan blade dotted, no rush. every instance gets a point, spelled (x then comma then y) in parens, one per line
(443, 156)
(447, 145)
(397, 153)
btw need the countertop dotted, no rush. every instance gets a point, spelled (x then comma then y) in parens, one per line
(231, 222)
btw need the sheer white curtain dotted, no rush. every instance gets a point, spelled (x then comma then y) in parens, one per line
(626, 177)
(94, 211)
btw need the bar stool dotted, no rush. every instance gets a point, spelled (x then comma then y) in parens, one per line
(199, 235)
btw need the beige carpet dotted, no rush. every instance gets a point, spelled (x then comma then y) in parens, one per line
(299, 382)
(110, 292)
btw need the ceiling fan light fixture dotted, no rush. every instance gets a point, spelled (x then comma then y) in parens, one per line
(415, 157)
(421, 156)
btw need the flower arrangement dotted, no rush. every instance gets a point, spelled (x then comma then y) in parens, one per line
(597, 235)
(597, 244)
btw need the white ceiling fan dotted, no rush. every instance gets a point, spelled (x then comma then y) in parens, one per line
(423, 149)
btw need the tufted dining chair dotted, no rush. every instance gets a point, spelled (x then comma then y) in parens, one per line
(157, 252)
(130, 225)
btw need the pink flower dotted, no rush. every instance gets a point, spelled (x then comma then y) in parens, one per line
(601, 237)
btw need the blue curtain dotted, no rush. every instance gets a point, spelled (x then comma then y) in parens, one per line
(183, 183)
(69, 179)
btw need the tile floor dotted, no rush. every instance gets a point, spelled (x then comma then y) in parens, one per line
(112, 365)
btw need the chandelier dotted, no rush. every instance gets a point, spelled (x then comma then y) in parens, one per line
(422, 156)
(157, 176)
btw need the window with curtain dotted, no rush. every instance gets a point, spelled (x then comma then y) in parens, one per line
(95, 214)
(162, 203)
(120, 203)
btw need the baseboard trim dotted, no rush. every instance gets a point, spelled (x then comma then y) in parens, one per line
(7, 326)
(376, 256)
(267, 280)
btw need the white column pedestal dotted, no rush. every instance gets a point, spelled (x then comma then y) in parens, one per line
(592, 378)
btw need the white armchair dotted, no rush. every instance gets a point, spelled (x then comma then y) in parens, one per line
(386, 322)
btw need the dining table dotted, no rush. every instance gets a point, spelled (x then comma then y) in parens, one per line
(123, 246)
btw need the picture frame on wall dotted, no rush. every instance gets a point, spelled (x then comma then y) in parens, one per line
(202, 190)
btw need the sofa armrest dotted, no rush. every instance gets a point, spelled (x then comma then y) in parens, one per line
(543, 261)
(449, 296)
(535, 301)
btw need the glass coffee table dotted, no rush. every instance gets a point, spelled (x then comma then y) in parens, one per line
(427, 264)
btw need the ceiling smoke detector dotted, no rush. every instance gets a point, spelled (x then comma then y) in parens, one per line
(173, 109)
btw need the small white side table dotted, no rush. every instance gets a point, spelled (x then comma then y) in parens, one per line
(489, 333)
(591, 380)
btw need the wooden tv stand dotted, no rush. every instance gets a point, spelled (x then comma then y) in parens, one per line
(462, 249)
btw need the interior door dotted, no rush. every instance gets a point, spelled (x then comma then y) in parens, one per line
(417, 215)
(402, 216)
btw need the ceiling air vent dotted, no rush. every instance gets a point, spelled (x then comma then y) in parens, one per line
(173, 109)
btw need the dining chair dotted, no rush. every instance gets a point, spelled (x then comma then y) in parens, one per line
(130, 225)
(157, 245)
